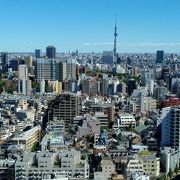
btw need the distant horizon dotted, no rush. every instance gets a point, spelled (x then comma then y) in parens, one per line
(143, 26)
(30, 52)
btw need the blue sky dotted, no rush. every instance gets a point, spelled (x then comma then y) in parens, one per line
(88, 25)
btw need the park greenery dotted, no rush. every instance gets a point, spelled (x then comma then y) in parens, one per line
(7, 85)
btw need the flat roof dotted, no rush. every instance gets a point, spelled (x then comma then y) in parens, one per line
(26, 134)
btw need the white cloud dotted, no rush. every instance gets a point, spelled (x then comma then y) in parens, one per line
(97, 44)
(149, 44)
(143, 44)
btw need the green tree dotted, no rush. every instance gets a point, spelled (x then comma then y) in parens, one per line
(36, 85)
(176, 169)
(35, 146)
(170, 173)
(10, 90)
(83, 157)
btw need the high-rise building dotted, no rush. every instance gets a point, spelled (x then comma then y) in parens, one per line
(45, 69)
(28, 60)
(24, 84)
(54, 69)
(14, 63)
(23, 71)
(169, 158)
(159, 57)
(89, 86)
(4, 61)
(62, 73)
(51, 52)
(42, 86)
(38, 53)
(171, 128)
(131, 86)
(69, 85)
(71, 69)
(65, 107)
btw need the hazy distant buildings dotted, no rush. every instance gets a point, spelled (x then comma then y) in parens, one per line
(159, 57)
(107, 57)
(14, 64)
(51, 52)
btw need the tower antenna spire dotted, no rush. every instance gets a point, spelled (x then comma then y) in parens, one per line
(115, 39)
(116, 20)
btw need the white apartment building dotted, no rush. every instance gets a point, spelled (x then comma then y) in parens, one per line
(26, 114)
(169, 158)
(47, 164)
(147, 165)
(139, 176)
(134, 165)
(141, 104)
(140, 101)
(28, 138)
(125, 120)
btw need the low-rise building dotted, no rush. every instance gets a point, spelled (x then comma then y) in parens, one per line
(139, 176)
(57, 127)
(134, 165)
(47, 164)
(108, 168)
(28, 138)
(7, 169)
(125, 120)
(151, 164)
(103, 119)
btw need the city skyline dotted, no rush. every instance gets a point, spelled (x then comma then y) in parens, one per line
(89, 25)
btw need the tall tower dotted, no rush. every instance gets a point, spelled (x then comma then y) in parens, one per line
(4, 61)
(51, 52)
(160, 57)
(170, 135)
(24, 84)
(115, 38)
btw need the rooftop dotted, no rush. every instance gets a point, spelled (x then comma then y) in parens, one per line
(26, 134)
